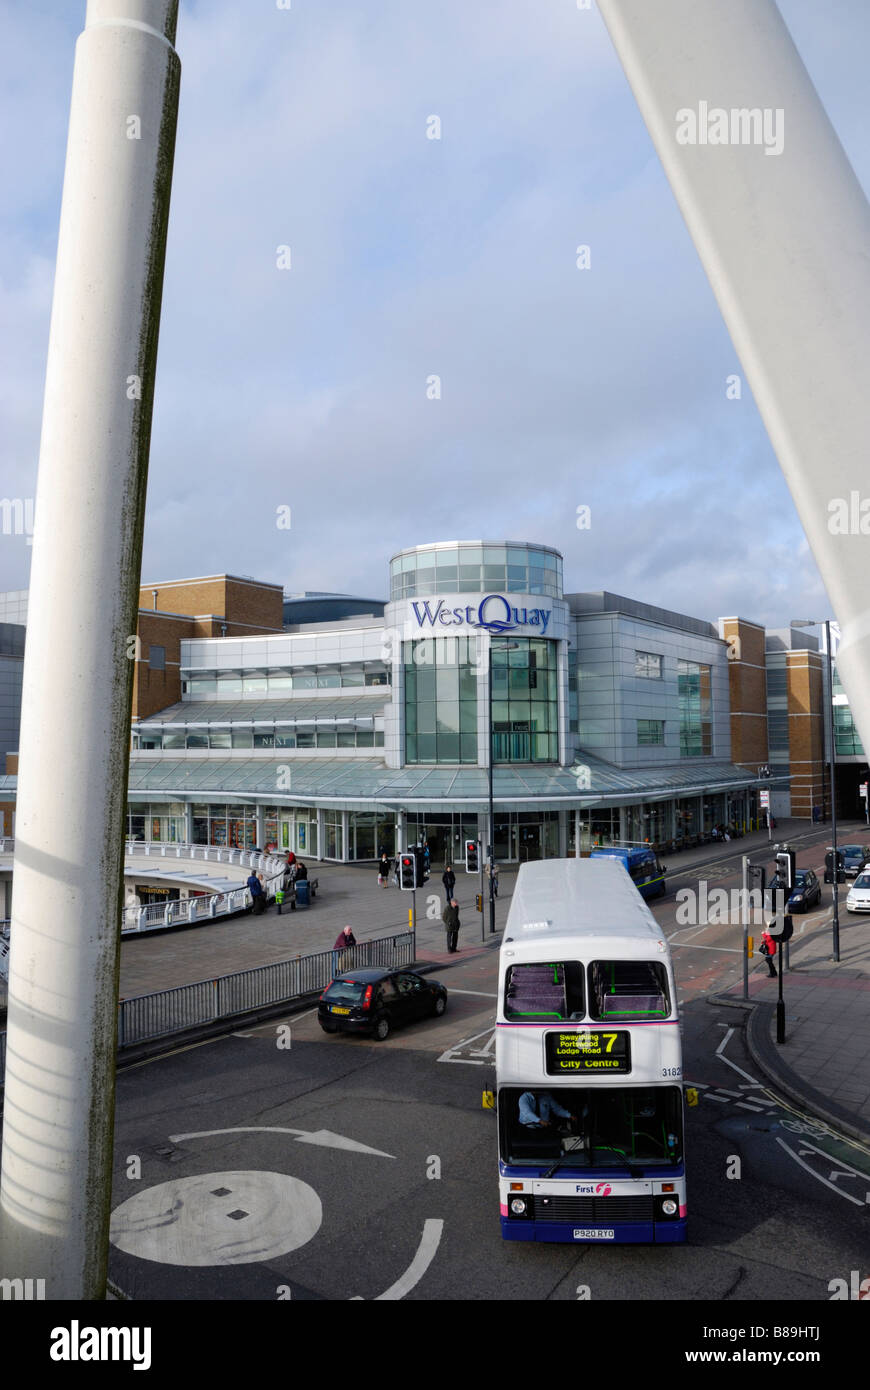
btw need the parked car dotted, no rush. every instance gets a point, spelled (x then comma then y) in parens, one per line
(807, 891)
(858, 897)
(854, 858)
(374, 1001)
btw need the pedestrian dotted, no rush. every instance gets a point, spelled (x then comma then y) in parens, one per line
(301, 871)
(258, 897)
(384, 870)
(427, 857)
(494, 877)
(448, 878)
(768, 950)
(450, 918)
(340, 950)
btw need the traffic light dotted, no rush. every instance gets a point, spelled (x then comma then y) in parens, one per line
(407, 871)
(471, 864)
(786, 862)
(420, 875)
(829, 867)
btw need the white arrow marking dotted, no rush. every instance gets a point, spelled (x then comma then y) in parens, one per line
(323, 1137)
(429, 1242)
(450, 1054)
(835, 1173)
(848, 1196)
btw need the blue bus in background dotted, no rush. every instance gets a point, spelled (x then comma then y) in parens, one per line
(642, 865)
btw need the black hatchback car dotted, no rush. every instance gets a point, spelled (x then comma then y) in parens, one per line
(373, 1000)
(807, 890)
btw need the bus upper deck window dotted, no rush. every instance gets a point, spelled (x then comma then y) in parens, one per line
(628, 989)
(544, 992)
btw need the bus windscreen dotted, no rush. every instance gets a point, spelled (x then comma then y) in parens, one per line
(638, 1126)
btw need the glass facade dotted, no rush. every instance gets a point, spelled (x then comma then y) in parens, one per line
(846, 740)
(440, 700)
(468, 567)
(696, 710)
(226, 825)
(524, 701)
(239, 685)
(164, 822)
(259, 738)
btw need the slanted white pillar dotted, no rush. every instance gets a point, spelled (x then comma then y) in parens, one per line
(55, 1185)
(782, 228)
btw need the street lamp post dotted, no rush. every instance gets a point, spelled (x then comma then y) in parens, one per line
(505, 646)
(830, 702)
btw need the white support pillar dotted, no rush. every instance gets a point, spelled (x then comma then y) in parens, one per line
(577, 834)
(55, 1187)
(782, 227)
(260, 819)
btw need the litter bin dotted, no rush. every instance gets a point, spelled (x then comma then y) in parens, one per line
(302, 899)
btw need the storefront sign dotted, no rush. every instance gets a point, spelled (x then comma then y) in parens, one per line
(494, 614)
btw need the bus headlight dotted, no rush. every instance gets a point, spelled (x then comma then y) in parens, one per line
(669, 1207)
(518, 1206)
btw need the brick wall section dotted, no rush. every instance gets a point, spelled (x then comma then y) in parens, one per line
(249, 605)
(806, 731)
(219, 605)
(747, 686)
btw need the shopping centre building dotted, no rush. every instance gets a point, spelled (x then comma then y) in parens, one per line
(346, 733)
(338, 726)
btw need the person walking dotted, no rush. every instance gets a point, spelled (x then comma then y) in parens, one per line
(494, 877)
(448, 878)
(343, 943)
(384, 870)
(450, 918)
(768, 950)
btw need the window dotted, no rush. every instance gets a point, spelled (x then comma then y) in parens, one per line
(696, 709)
(156, 658)
(648, 665)
(650, 731)
(624, 989)
(551, 990)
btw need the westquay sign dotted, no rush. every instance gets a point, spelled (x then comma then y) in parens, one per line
(493, 614)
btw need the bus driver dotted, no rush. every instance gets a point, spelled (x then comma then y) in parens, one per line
(535, 1111)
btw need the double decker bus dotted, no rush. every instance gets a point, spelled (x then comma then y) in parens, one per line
(589, 1092)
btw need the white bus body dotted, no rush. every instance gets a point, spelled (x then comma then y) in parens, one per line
(587, 1023)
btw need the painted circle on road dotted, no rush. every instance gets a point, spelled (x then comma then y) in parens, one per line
(218, 1219)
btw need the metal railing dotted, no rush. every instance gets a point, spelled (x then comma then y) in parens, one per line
(150, 1016)
(188, 1006)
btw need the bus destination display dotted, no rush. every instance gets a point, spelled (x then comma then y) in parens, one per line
(585, 1050)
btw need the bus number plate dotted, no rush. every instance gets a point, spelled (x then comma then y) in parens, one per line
(586, 1051)
(593, 1235)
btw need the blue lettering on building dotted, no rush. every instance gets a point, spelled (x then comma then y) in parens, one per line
(488, 615)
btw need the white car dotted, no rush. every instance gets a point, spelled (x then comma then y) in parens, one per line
(858, 898)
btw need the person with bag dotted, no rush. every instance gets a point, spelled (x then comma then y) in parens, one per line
(384, 870)
(768, 950)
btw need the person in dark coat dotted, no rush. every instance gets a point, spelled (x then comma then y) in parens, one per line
(258, 897)
(301, 871)
(450, 918)
(448, 878)
(384, 870)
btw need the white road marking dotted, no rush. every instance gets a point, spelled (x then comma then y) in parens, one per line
(449, 1054)
(848, 1196)
(720, 1053)
(723, 1100)
(481, 994)
(426, 1250)
(744, 1105)
(696, 946)
(323, 1137)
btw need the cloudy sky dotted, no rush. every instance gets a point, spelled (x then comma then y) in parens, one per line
(413, 257)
